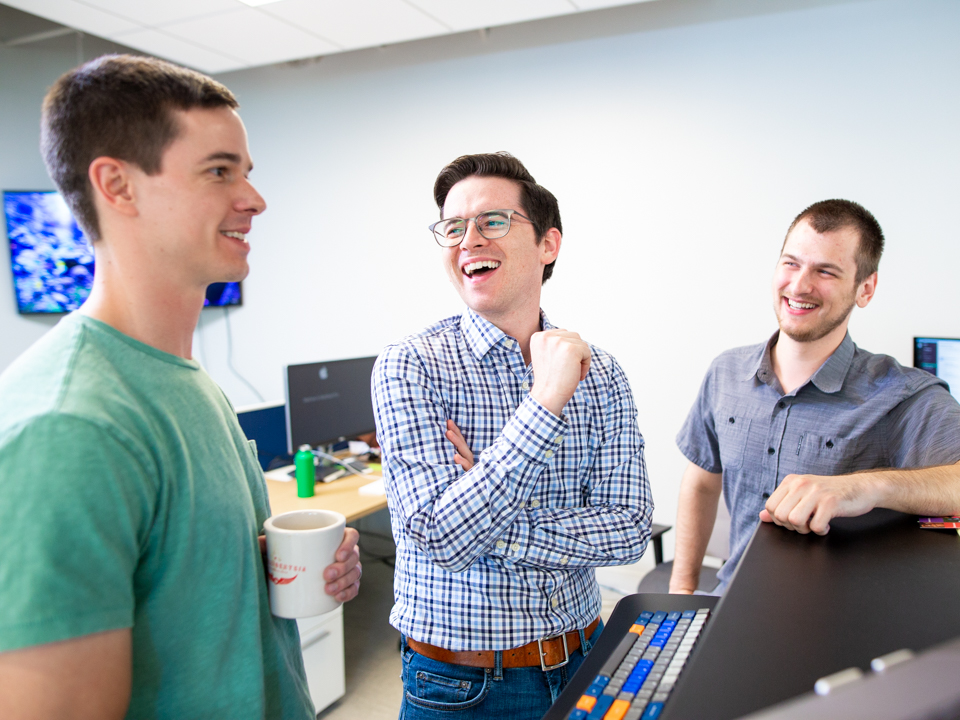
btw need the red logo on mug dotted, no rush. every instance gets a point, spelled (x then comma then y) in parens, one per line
(281, 581)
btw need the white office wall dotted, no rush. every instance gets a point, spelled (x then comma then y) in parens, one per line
(679, 154)
(679, 157)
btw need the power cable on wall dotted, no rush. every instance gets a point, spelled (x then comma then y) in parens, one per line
(226, 318)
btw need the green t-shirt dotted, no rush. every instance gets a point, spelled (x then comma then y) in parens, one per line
(130, 498)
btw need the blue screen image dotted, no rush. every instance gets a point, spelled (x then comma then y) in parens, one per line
(52, 260)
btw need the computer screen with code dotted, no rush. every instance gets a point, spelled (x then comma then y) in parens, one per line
(940, 356)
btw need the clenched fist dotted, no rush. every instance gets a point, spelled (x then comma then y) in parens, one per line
(560, 361)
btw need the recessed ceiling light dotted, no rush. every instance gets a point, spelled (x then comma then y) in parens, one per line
(257, 3)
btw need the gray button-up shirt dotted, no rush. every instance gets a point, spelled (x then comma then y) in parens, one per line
(859, 411)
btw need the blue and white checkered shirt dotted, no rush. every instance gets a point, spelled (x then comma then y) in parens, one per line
(504, 554)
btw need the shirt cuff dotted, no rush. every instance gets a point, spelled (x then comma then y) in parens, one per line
(535, 431)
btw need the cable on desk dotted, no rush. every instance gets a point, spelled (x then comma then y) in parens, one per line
(344, 463)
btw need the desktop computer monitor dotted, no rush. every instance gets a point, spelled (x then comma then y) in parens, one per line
(328, 401)
(940, 356)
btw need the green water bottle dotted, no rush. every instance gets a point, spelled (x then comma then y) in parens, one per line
(306, 475)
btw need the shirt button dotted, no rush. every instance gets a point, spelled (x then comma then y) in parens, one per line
(534, 503)
(526, 385)
(501, 544)
(515, 547)
(770, 451)
(781, 404)
(508, 343)
(564, 560)
(558, 439)
(548, 454)
(554, 602)
(829, 443)
(765, 496)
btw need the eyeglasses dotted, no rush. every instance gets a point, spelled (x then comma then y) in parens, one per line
(491, 224)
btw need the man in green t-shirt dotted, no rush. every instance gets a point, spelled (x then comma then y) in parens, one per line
(131, 575)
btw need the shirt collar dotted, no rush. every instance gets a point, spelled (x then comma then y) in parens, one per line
(829, 378)
(481, 335)
(763, 367)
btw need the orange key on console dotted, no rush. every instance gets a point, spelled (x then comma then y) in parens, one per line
(617, 710)
(586, 702)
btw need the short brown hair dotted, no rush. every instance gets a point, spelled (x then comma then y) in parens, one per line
(830, 215)
(119, 106)
(538, 203)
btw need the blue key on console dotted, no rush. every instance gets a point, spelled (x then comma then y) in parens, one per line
(658, 617)
(577, 714)
(600, 709)
(653, 711)
(674, 616)
(689, 614)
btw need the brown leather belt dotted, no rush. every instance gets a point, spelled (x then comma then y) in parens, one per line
(548, 653)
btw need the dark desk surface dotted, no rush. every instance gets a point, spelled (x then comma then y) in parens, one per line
(803, 606)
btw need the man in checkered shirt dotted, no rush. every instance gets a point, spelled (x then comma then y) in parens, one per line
(512, 460)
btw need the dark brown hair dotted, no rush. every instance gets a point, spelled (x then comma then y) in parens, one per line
(537, 202)
(120, 106)
(830, 215)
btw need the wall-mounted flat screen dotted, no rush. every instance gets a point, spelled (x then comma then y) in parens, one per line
(941, 356)
(52, 261)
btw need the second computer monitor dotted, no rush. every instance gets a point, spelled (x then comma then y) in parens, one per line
(327, 401)
(941, 356)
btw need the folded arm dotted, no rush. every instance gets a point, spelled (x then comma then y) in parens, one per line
(613, 524)
(453, 517)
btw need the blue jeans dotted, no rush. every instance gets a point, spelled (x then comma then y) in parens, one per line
(433, 690)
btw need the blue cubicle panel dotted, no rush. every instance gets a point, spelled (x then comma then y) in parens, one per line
(267, 425)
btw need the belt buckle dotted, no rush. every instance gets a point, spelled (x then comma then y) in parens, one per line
(566, 652)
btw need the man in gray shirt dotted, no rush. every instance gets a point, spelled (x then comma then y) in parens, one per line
(785, 429)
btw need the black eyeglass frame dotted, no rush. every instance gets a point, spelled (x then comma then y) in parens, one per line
(443, 242)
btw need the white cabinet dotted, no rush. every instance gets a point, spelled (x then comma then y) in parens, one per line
(321, 640)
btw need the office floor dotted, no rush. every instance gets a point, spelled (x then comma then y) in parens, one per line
(371, 646)
(372, 657)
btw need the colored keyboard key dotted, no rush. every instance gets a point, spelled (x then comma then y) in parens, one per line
(600, 709)
(617, 710)
(586, 702)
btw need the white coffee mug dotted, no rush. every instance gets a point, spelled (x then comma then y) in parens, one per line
(300, 545)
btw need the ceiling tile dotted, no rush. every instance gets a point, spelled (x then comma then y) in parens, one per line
(253, 36)
(473, 14)
(152, 14)
(359, 23)
(219, 35)
(159, 43)
(76, 15)
(597, 4)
